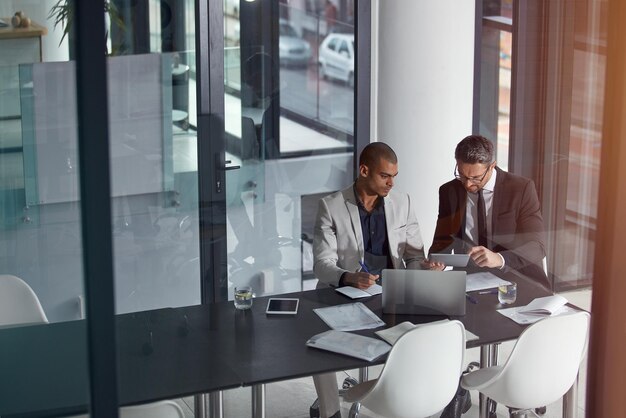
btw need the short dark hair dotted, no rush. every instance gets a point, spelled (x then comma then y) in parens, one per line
(474, 149)
(374, 151)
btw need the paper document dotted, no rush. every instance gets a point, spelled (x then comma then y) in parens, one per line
(392, 334)
(483, 280)
(349, 317)
(524, 318)
(354, 293)
(365, 348)
(545, 306)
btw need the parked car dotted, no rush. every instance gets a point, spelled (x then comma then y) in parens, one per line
(336, 57)
(292, 49)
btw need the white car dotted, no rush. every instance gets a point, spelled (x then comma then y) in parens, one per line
(292, 49)
(336, 57)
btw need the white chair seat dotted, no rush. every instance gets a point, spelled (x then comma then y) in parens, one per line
(482, 377)
(18, 303)
(542, 366)
(421, 374)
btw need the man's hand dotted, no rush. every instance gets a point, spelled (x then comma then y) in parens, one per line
(432, 265)
(360, 279)
(484, 257)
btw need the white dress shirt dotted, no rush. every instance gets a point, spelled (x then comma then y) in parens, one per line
(471, 209)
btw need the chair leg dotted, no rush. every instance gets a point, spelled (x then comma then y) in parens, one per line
(347, 384)
(354, 410)
(522, 413)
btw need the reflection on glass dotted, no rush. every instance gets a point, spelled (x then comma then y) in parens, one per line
(504, 100)
(154, 162)
(41, 269)
(277, 108)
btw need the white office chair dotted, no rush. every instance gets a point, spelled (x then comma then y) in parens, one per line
(19, 303)
(421, 374)
(541, 368)
(161, 409)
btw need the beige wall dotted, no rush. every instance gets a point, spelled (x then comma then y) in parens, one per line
(606, 383)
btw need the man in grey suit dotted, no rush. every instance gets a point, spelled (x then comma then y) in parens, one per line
(359, 231)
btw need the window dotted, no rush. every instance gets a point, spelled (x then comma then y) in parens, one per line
(541, 95)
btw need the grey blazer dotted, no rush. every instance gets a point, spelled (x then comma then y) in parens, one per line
(338, 239)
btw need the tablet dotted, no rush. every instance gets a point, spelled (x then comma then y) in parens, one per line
(453, 260)
(282, 306)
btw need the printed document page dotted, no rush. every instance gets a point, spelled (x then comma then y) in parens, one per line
(354, 293)
(392, 334)
(349, 317)
(359, 346)
(483, 280)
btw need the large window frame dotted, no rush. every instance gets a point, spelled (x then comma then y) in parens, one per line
(543, 47)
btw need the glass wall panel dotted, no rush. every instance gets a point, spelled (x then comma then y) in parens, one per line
(564, 72)
(289, 113)
(504, 100)
(41, 256)
(154, 184)
(577, 238)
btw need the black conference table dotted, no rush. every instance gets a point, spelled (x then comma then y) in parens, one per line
(204, 349)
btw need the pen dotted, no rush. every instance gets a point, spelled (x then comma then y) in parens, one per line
(489, 292)
(471, 299)
(363, 266)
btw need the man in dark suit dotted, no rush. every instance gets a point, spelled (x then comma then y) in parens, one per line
(493, 216)
(490, 214)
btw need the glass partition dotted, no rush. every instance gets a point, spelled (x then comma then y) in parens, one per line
(41, 249)
(289, 116)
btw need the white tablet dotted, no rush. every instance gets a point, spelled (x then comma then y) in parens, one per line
(453, 260)
(282, 306)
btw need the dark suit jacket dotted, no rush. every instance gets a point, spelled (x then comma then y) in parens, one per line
(517, 225)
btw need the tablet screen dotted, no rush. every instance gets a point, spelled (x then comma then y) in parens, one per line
(282, 306)
(453, 260)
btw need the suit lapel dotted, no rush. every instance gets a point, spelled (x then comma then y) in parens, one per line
(355, 220)
(496, 206)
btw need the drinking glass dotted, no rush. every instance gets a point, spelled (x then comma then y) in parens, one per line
(243, 297)
(507, 293)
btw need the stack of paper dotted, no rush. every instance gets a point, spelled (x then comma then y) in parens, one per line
(364, 348)
(392, 334)
(483, 280)
(349, 317)
(537, 309)
(354, 293)
(544, 306)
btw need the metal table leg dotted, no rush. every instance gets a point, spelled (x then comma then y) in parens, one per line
(570, 401)
(363, 375)
(209, 405)
(200, 405)
(216, 404)
(488, 358)
(258, 401)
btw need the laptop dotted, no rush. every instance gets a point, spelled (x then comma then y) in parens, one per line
(424, 292)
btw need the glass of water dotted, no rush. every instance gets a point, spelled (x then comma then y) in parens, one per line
(507, 293)
(243, 297)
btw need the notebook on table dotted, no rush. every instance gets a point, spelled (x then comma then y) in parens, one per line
(424, 292)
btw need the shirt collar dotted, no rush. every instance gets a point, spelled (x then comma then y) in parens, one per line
(491, 184)
(379, 200)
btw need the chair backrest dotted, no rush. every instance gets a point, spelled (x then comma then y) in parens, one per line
(422, 372)
(544, 362)
(18, 302)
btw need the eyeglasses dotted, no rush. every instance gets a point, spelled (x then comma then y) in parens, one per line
(474, 180)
